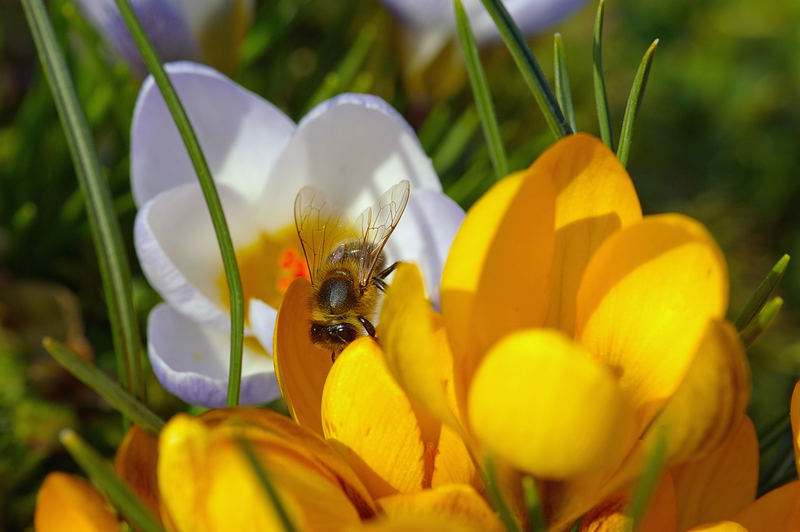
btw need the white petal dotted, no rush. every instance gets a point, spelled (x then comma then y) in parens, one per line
(262, 322)
(353, 148)
(192, 362)
(424, 236)
(240, 133)
(178, 249)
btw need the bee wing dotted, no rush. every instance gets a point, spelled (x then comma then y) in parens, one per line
(376, 224)
(319, 225)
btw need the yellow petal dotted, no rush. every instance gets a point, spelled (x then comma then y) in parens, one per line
(721, 484)
(420, 363)
(710, 401)
(66, 503)
(612, 514)
(777, 510)
(594, 198)
(417, 523)
(541, 402)
(453, 463)
(794, 414)
(135, 463)
(721, 526)
(366, 413)
(457, 502)
(495, 279)
(207, 485)
(300, 366)
(276, 429)
(645, 301)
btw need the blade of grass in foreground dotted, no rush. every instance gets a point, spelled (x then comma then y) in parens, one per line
(102, 474)
(529, 68)
(634, 100)
(480, 90)
(106, 235)
(209, 192)
(533, 505)
(263, 478)
(563, 92)
(600, 97)
(762, 294)
(105, 387)
(648, 482)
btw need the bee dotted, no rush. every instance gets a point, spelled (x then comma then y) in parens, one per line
(346, 263)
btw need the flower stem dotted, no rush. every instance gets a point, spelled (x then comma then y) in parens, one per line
(209, 192)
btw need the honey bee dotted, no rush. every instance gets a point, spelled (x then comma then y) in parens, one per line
(346, 263)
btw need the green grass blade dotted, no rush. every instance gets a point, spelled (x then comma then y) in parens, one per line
(480, 90)
(209, 192)
(600, 96)
(563, 92)
(634, 101)
(762, 294)
(496, 497)
(776, 430)
(762, 322)
(113, 263)
(104, 387)
(266, 483)
(453, 145)
(102, 474)
(338, 81)
(529, 67)
(533, 505)
(651, 474)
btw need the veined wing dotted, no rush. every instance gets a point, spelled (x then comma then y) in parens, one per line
(320, 227)
(376, 224)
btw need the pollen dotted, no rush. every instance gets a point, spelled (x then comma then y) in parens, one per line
(267, 267)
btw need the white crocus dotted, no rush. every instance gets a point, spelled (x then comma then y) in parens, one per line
(208, 31)
(352, 148)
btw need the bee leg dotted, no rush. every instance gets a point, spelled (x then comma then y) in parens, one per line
(333, 357)
(386, 271)
(380, 283)
(367, 326)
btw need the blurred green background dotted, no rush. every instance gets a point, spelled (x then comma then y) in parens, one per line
(716, 138)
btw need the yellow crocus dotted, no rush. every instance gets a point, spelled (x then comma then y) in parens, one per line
(579, 331)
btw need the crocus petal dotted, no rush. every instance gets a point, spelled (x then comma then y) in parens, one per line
(417, 522)
(484, 295)
(710, 401)
(541, 402)
(66, 503)
(262, 318)
(276, 427)
(458, 502)
(794, 412)
(135, 463)
(377, 428)
(300, 366)
(721, 526)
(721, 484)
(777, 510)
(192, 361)
(594, 198)
(425, 234)
(240, 133)
(352, 148)
(420, 364)
(612, 514)
(162, 20)
(645, 301)
(179, 254)
(198, 466)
